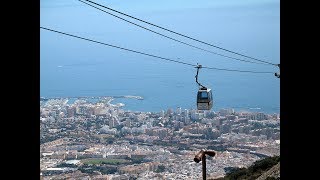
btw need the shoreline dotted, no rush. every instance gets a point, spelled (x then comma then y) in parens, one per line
(72, 99)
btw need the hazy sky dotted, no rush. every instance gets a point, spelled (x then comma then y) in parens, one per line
(250, 27)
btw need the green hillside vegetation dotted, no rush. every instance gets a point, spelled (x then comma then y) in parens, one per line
(254, 171)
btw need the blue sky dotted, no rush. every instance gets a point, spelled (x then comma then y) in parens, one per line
(231, 24)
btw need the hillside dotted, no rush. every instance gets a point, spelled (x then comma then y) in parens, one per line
(264, 169)
(273, 173)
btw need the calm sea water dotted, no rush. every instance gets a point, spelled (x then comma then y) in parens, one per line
(73, 67)
(164, 86)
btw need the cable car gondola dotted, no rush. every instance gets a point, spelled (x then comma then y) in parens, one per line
(204, 99)
(204, 96)
(278, 74)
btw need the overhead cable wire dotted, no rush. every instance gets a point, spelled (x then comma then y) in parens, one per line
(235, 70)
(147, 54)
(171, 37)
(266, 62)
(116, 46)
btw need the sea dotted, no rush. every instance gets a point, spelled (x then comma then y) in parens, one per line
(164, 88)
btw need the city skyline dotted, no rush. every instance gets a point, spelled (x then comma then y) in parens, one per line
(84, 132)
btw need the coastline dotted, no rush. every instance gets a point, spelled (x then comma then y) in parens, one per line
(130, 103)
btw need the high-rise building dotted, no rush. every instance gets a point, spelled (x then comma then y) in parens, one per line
(162, 113)
(71, 111)
(224, 112)
(186, 112)
(231, 117)
(149, 124)
(276, 116)
(179, 111)
(113, 122)
(261, 116)
(112, 112)
(186, 120)
(128, 123)
(194, 116)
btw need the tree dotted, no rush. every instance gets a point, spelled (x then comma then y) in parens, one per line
(161, 168)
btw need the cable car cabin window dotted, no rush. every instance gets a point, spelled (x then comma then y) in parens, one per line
(204, 95)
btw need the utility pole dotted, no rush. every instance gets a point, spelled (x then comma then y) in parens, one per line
(201, 156)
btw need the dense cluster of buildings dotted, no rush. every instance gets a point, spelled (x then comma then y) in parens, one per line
(95, 140)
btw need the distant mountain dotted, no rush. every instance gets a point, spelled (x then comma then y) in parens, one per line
(264, 169)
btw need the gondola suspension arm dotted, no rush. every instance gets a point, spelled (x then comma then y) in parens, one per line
(198, 67)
